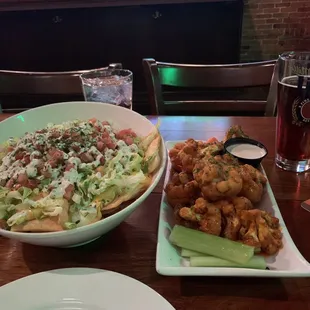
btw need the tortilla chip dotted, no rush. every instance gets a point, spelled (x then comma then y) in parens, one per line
(44, 225)
(152, 155)
(147, 140)
(112, 207)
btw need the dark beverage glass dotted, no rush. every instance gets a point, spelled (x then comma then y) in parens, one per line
(293, 112)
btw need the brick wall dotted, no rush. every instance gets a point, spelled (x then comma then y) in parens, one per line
(273, 26)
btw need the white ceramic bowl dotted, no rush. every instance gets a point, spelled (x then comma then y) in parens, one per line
(37, 118)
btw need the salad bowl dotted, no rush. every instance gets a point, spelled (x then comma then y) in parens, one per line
(119, 118)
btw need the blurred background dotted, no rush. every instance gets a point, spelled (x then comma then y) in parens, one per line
(54, 35)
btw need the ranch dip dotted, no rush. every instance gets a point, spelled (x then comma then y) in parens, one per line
(245, 150)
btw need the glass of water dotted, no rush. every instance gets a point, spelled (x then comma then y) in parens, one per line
(108, 85)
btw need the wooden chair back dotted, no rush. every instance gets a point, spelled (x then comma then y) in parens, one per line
(160, 74)
(43, 84)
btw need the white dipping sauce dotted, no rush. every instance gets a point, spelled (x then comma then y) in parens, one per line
(248, 151)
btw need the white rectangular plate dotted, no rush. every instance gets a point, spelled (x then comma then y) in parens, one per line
(287, 263)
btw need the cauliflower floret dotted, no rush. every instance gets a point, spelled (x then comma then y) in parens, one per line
(217, 181)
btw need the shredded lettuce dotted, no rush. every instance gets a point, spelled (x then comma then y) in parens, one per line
(3, 192)
(134, 164)
(89, 215)
(45, 182)
(108, 195)
(144, 166)
(52, 211)
(18, 218)
(13, 197)
(26, 192)
(50, 206)
(86, 169)
(3, 211)
(70, 225)
(76, 198)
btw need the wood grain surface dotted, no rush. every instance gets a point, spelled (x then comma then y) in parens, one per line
(131, 247)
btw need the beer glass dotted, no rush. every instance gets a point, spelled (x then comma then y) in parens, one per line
(293, 112)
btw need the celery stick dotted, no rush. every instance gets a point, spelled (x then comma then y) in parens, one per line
(212, 245)
(191, 253)
(256, 262)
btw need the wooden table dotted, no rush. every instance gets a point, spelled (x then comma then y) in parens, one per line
(130, 248)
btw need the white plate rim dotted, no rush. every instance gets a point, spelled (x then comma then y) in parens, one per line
(77, 271)
(240, 272)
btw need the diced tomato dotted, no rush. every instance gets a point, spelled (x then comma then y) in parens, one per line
(52, 162)
(69, 166)
(105, 134)
(9, 183)
(39, 147)
(55, 134)
(212, 140)
(50, 187)
(75, 147)
(26, 159)
(128, 140)
(125, 133)
(102, 160)
(40, 164)
(100, 146)
(69, 192)
(75, 134)
(22, 179)
(77, 139)
(45, 173)
(56, 155)
(17, 186)
(105, 123)
(32, 184)
(109, 143)
(93, 120)
(20, 155)
(86, 158)
(66, 135)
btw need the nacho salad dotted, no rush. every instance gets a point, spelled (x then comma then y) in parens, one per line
(73, 174)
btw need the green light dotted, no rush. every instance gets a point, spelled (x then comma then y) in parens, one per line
(170, 76)
(21, 118)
